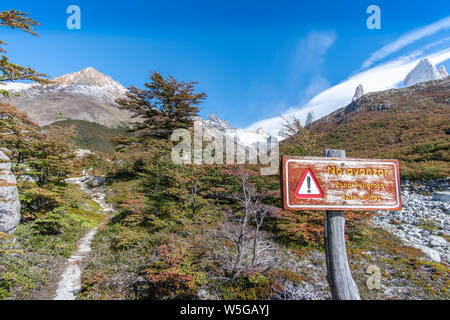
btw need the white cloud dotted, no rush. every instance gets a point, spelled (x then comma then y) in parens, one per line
(407, 39)
(316, 85)
(311, 51)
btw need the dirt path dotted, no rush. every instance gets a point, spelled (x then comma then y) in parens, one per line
(70, 282)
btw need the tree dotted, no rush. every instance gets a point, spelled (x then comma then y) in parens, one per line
(245, 250)
(50, 155)
(164, 105)
(17, 132)
(10, 71)
(301, 141)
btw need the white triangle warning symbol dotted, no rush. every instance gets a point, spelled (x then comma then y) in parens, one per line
(308, 186)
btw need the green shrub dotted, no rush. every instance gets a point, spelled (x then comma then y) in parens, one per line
(51, 223)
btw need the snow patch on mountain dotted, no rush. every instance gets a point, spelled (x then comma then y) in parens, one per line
(15, 86)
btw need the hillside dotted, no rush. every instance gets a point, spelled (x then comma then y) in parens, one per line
(92, 136)
(410, 124)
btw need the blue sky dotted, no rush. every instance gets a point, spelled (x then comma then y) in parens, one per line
(254, 59)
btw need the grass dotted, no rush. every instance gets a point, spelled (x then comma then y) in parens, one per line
(429, 225)
(93, 136)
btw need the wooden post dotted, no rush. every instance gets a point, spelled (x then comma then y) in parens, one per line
(339, 276)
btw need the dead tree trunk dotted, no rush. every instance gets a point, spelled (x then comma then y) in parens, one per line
(339, 276)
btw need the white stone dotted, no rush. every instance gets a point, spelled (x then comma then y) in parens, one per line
(431, 253)
(437, 241)
(9, 197)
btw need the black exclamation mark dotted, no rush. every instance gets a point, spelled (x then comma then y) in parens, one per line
(308, 181)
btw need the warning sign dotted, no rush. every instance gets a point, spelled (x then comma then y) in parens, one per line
(311, 183)
(308, 186)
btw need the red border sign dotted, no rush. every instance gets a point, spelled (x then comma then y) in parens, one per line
(344, 184)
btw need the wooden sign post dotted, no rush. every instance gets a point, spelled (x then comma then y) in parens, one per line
(335, 183)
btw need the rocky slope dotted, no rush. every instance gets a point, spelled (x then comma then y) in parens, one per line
(424, 222)
(85, 95)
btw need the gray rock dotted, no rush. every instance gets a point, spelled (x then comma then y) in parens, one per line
(310, 118)
(359, 92)
(431, 253)
(436, 241)
(9, 197)
(441, 196)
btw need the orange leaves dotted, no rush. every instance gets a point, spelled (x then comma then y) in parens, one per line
(170, 275)
(134, 202)
(298, 228)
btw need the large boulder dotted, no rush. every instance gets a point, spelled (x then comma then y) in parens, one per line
(9, 197)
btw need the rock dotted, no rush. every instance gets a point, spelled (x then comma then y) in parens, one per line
(436, 241)
(9, 197)
(441, 196)
(221, 125)
(310, 118)
(424, 71)
(443, 71)
(80, 153)
(433, 254)
(359, 92)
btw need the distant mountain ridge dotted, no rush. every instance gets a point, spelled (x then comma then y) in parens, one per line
(85, 95)
(89, 95)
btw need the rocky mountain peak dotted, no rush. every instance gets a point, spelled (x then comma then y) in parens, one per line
(310, 118)
(359, 92)
(443, 71)
(93, 78)
(424, 71)
(220, 124)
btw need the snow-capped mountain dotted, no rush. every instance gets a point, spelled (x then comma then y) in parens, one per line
(247, 138)
(84, 95)
(93, 79)
(424, 71)
(219, 124)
